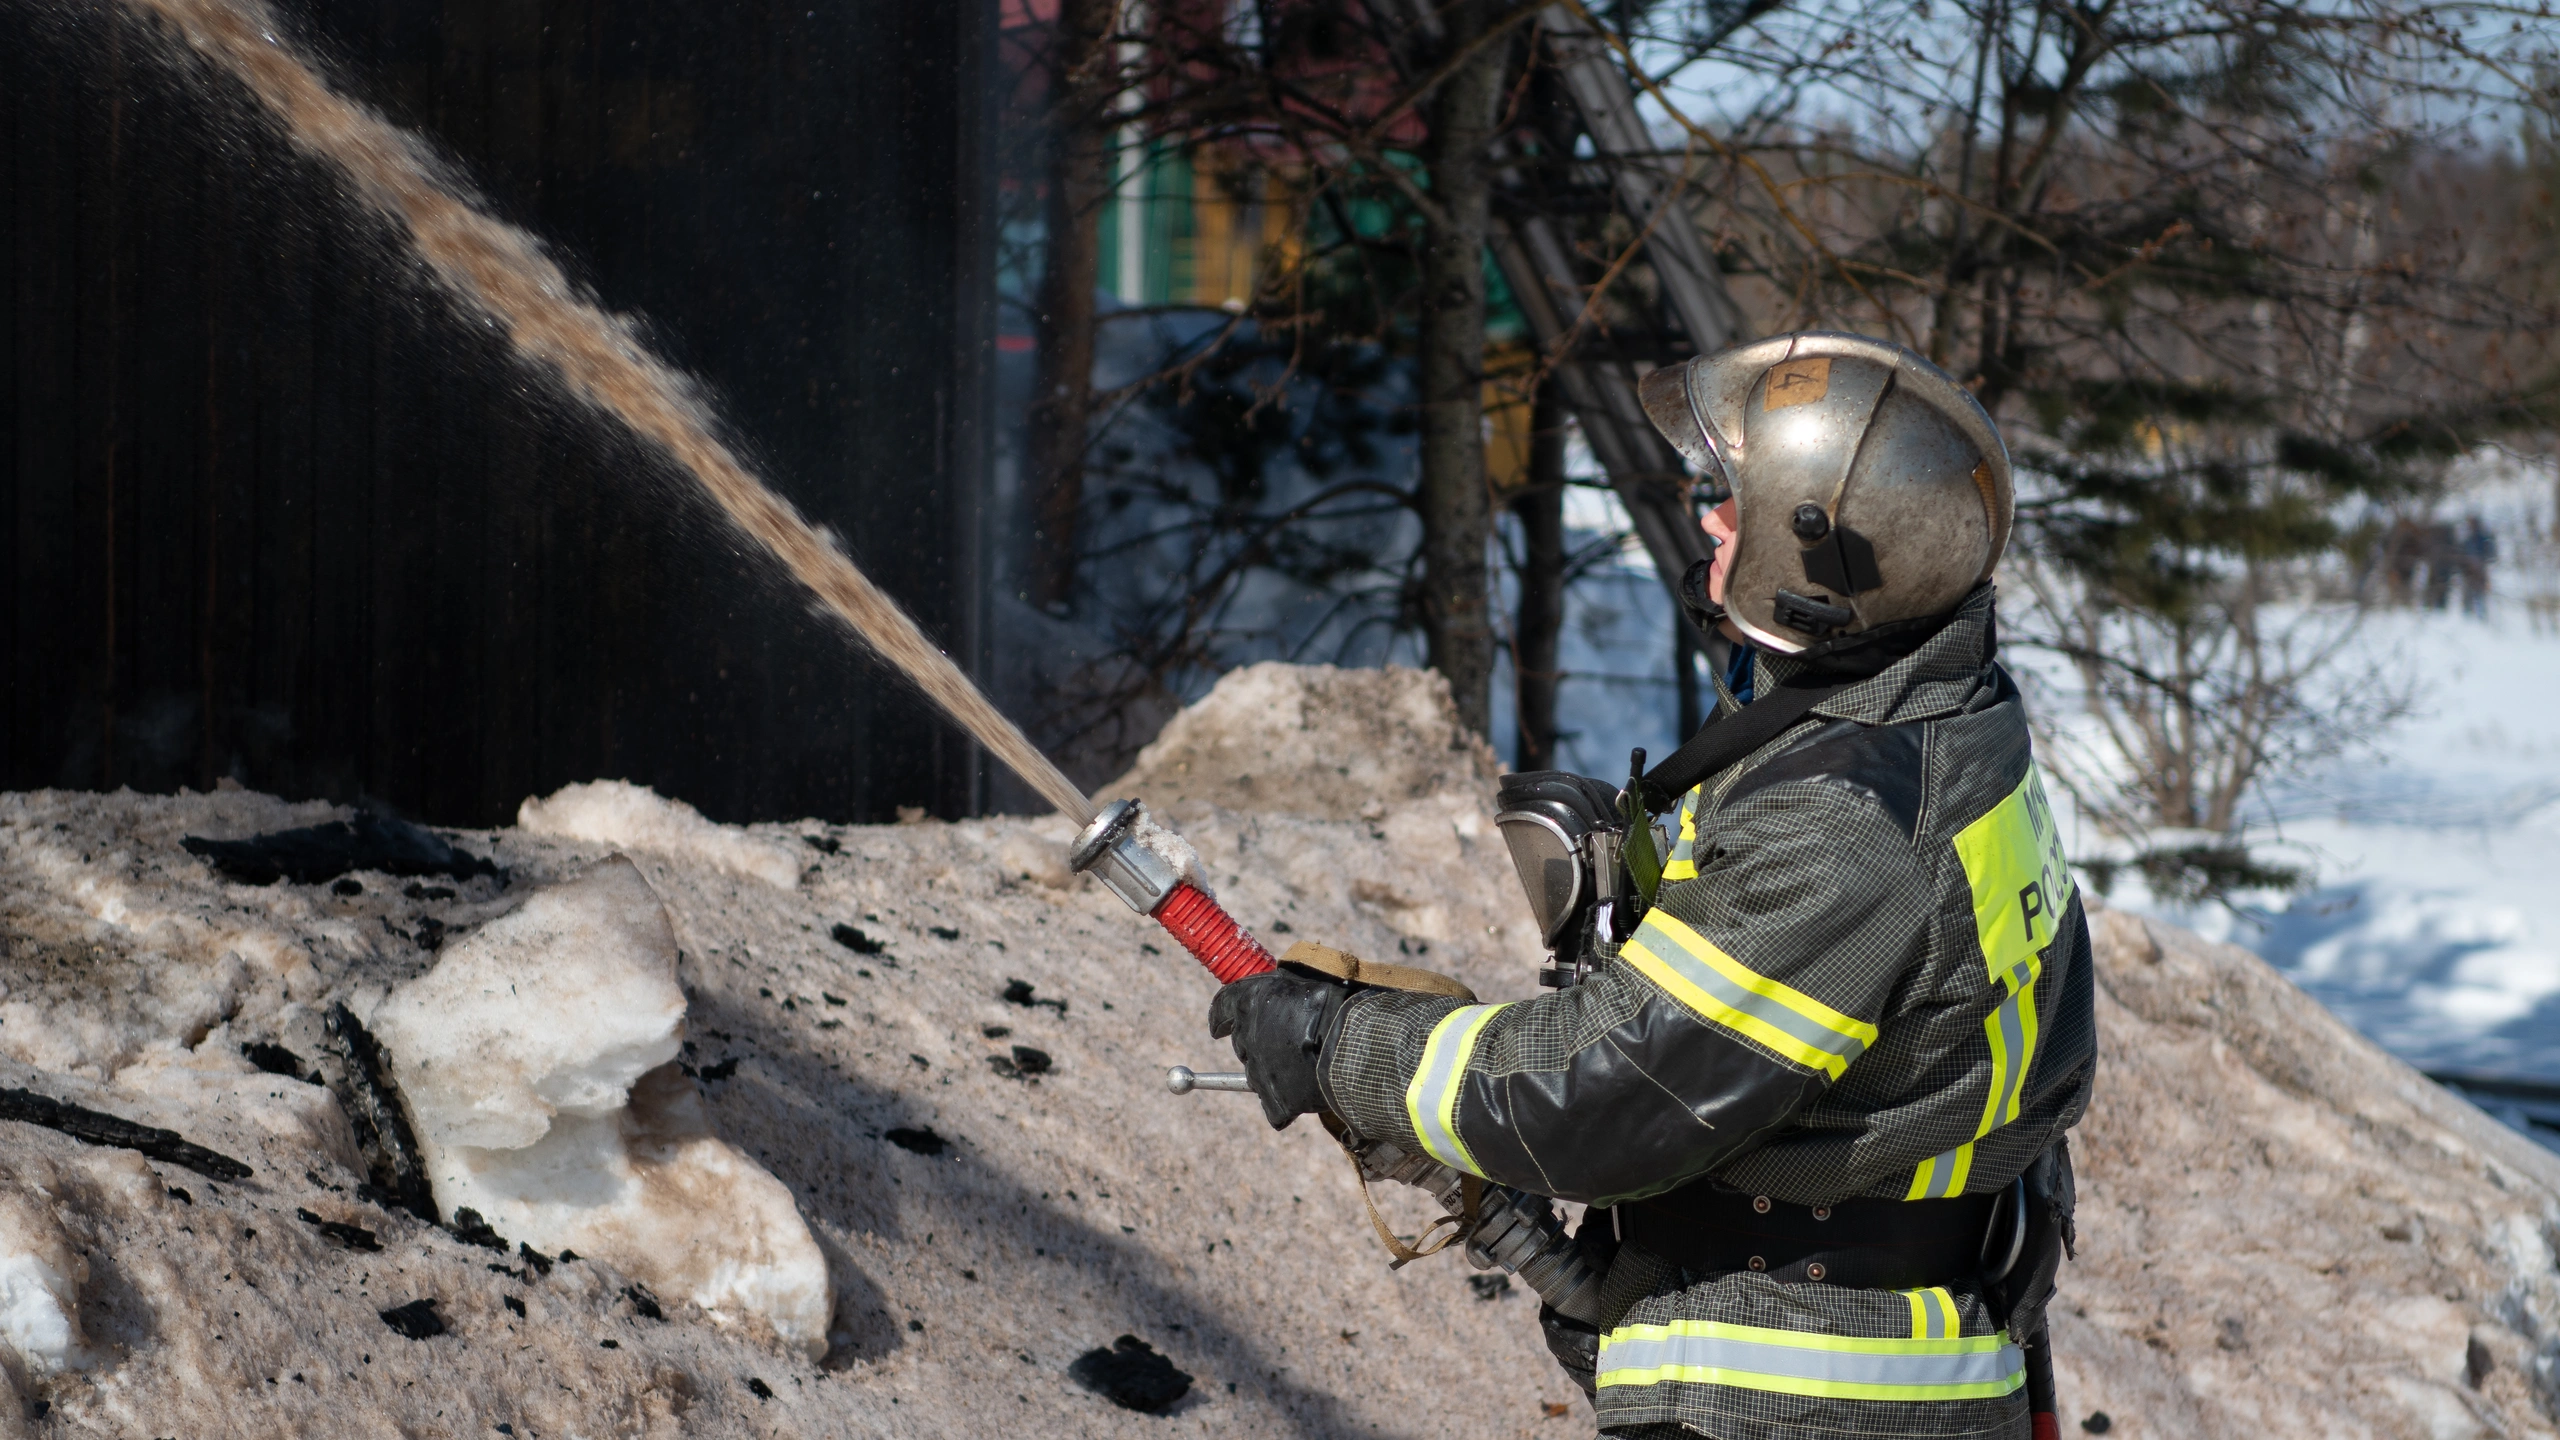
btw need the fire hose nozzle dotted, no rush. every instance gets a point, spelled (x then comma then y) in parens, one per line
(1109, 850)
(1146, 865)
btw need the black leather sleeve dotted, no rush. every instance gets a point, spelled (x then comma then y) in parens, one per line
(1649, 1098)
(1747, 991)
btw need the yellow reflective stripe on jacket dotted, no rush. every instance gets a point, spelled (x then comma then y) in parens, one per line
(1933, 1314)
(1723, 991)
(2021, 883)
(1788, 1362)
(1431, 1101)
(1683, 864)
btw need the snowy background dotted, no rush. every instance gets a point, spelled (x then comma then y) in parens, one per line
(2432, 921)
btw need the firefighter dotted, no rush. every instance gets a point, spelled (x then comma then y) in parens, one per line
(1816, 1099)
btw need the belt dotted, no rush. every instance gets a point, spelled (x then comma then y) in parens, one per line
(1865, 1243)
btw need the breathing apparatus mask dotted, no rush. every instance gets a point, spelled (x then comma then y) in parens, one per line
(1586, 854)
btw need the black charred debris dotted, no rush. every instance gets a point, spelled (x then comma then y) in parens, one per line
(1025, 1063)
(381, 1125)
(1018, 992)
(417, 1319)
(469, 1228)
(96, 1127)
(917, 1139)
(350, 1237)
(277, 1060)
(852, 938)
(372, 841)
(1131, 1375)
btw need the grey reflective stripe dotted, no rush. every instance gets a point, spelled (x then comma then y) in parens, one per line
(1841, 1367)
(1431, 1101)
(1933, 1314)
(2013, 1029)
(1941, 1176)
(1825, 1039)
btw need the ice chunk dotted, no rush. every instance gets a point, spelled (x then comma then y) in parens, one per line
(41, 1273)
(534, 1060)
(557, 1005)
(635, 817)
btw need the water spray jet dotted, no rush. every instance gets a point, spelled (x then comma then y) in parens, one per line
(502, 273)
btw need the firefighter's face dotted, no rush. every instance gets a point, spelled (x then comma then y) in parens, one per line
(1722, 525)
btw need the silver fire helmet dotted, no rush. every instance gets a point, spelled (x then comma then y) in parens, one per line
(1868, 485)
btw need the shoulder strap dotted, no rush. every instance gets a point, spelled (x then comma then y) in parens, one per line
(1727, 738)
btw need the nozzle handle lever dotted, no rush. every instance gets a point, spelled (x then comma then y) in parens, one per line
(1182, 1080)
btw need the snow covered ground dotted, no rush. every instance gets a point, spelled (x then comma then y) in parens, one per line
(2434, 921)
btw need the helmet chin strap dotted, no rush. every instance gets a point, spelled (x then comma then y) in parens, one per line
(1763, 638)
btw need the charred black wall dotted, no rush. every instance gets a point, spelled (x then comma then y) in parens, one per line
(271, 510)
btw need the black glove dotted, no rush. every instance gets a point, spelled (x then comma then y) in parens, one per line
(1280, 1022)
(1576, 1347)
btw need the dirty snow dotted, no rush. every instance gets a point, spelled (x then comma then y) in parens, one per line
(634, 817)
(2285, 1231)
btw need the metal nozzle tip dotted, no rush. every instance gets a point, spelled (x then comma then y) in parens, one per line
(1179, 1079)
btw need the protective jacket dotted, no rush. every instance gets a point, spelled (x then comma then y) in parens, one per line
(1866, 974)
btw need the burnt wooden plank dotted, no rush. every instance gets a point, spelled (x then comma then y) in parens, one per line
(227, 627)
(397, 540)
(161, 714)
(102, 327)
(334, 741)
(16, 622)
(283, 276)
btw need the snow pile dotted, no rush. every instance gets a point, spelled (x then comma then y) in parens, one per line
(1313, 740)
(536, 1061)
(556, 1007)
(2286, 1232)
(635, 817)
(947, 1053)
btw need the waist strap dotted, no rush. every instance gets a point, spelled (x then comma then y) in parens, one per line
(1866, 1243)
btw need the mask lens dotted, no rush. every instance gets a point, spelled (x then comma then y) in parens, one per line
(1549, 870)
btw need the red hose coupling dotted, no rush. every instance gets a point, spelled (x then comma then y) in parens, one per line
(1212, 935)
